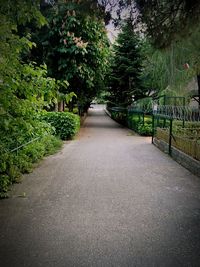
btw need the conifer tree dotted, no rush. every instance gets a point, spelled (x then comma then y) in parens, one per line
(126, 67)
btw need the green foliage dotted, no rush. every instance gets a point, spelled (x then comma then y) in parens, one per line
(25, 89)
(164, 71)
(145, 130)
(120, 117)
(169, 21)
(173, 60)
(4, 184)
(21, 12)
(136, 123)
(13, 164)
(76, 49)
(126, 67)
(102, 97)
(69, 97)
(66, 124)
(190, 130)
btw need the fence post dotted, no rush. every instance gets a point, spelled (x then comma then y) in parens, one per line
(170, 137)
(153, 125)
(184, 112)
(143, 118)
(127, 117)
(164, 104)
(132, 122)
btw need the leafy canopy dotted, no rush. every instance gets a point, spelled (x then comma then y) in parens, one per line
(76, 49)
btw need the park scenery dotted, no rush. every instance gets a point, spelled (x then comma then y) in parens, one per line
(99, 133)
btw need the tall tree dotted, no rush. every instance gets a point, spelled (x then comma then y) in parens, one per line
(76, 49)
(174, 24)
(168, 21)
(126, 67)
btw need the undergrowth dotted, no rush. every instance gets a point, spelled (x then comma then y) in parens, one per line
(14, 164)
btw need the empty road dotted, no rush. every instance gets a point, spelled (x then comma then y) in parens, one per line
(108, 198)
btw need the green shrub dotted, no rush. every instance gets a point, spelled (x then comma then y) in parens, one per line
(145, 130)
(4, 184)
(135, 122)
(120, 117)
(75, 110)
(13, 164)
(148, 119)
(52, 144)
(35, 151)
(66, 124)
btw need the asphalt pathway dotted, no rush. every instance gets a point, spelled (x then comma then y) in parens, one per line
(109, 198)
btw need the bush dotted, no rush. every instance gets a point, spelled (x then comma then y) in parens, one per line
(136, 124)
(13, 164)
(52, 144)
(4, 184)
(120, 117)
(66, 124)
(145, 130)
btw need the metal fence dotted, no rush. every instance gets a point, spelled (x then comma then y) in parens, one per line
(183, 113)
(25, 144)
(162, 116)
(171, 114)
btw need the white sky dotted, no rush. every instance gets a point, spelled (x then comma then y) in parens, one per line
(112, 32)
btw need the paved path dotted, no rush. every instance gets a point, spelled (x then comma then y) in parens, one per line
(108, 198)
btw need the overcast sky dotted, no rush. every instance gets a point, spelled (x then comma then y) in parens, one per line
(112, 32)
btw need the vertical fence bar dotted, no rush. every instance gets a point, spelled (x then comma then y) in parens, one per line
(170, 136)
(128, 119)
(143, 118)
(184, 112)
(164, 104)
(153, 125)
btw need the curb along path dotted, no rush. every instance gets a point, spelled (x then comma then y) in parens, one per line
(108, 198)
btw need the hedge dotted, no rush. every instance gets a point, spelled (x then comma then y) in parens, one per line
(66, 124)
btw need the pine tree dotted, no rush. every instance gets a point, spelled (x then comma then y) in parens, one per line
(126, 67)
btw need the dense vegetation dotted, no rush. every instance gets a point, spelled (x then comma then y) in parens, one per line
(63, 67)
(169, 21)
(168, 60)
(66, 124)
(76, 49)
(126, 67)
(55, 56)
(170, 31)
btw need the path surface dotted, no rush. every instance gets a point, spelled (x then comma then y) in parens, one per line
(108, 198)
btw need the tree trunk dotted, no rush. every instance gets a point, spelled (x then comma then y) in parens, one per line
(61, 106)
(71, 106)
(56, 107)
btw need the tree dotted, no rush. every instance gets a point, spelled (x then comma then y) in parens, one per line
(174, 25)
(76, 49)
(169, 21)
(126, 67)
(24, 91)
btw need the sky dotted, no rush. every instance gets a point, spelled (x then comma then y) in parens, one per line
(112, 32)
